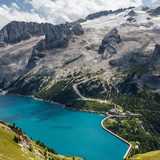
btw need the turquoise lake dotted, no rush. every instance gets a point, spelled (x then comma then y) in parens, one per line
(68, 132)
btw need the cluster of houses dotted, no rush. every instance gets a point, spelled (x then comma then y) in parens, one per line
(118, 111)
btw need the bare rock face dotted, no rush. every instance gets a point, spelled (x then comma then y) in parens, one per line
(131, 19)
(132, 13)
(15, 32)
(109, 43)
(145, 8)
(150, 80)
(56, 37)
(130, 60)
(151, 77)
(105, 13)
(36, 56)
(77, 29)
(155, 61)
(2, 44)
(154, 12)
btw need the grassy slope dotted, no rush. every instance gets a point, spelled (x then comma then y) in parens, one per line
(10, 150)
(55, 156)
(154, 155)
(144, 102)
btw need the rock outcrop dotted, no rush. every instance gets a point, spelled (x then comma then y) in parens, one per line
(55, 37)
(154, 12)
(130, 60)
(109, 43)
(15, 32)
(58, 36)
(155, 61)
(63, 52)
(77, 29)
(152, 77)
(132, 13)
(105, 13)
(145, 8)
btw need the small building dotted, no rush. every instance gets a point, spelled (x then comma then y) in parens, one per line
(136, 147)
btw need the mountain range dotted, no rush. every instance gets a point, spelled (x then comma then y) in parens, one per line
(113, 56)
(120, 40)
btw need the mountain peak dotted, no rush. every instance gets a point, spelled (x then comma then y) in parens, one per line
(15, 32)
(131, 15)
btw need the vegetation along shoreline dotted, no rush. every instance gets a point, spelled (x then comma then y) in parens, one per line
(89, 111)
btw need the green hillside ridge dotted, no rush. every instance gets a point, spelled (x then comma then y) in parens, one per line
(154, 155)
(144, 102)
(15, 145)
(106, 67)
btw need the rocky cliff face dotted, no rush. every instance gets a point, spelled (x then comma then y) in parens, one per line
(151, 77)
(15, 32)
(114, 57)
(109, 44)
(154, 12)
(68, 50)
(106, 13)
(28, 46)
(55, 37)
(58, 36)
(155, 61)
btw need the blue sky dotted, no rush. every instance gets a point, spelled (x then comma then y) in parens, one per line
(60, 11)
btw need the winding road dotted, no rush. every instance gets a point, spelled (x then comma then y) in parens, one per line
(109, 116)
(85, 98)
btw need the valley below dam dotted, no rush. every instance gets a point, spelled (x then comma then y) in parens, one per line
(68, 132)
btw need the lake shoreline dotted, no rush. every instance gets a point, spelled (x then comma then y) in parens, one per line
(130, 146)
(69, 108)
(91, 111)
(81, 110)
(52, 102)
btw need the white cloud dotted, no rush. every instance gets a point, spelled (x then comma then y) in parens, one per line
(69, 10)
(154, 1)
(60, 11)
(14, 5)
(8, 14)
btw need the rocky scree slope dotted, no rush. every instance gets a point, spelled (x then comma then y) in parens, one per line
(55, 37)
(68, 50)
(20, 53)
